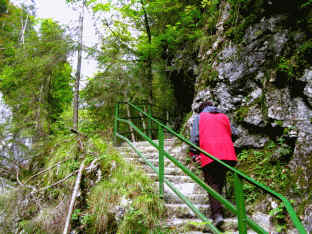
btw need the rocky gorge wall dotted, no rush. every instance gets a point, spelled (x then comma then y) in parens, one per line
(263, 82)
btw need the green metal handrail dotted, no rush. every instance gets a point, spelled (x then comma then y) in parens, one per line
(151, 109)
(238, 210)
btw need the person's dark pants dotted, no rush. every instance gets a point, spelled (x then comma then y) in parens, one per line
(214, 175)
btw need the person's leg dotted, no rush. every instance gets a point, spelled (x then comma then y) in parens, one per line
(214, 175)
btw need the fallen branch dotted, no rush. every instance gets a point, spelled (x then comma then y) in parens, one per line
(60, 181)
(45, 170)
(23, 185)
(73, 199)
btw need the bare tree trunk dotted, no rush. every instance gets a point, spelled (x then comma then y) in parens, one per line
(143, 122)
(78, 72)
(24, 26)
(73, 199)
(149, 57)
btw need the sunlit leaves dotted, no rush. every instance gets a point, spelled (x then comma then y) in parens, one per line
(209, 3)
(101, 7)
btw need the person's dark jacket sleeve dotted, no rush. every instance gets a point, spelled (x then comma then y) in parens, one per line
(195, 136)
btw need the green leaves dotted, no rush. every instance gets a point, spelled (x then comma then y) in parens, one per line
(101, 7)
(307, 3)
(3, 6)
(35, 77)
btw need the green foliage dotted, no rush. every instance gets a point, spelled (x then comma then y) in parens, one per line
(260, 164)
(293, 66)
(3, 6)
(174, 25)
(102, 7)
(65, 149)
(209, 3)
(306, 4)
(208, 75)
(286, 66)
(123, 182)
(119, 182)
(76, 214)
(279, 213)
(241, 113)
(35, 76)
(304, 53)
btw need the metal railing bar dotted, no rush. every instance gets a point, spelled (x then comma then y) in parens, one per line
(139, 117)
(173, 188)
(287, 204)
(138, 152)
(253, 225)
(161, 161)
(206, 153)
(250, 222)
(229, 205)
(215, 194)
(192, 207)
(126, 132)
(240, 204)
(140, 132)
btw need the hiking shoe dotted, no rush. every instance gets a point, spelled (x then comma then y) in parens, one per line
(218, 220)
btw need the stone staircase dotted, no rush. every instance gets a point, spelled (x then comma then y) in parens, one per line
(180, 219)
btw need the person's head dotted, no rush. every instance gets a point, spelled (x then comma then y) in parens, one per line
(204, 104)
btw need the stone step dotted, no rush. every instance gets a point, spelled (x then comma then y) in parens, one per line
(168, 170)
(186, 226)
(172, 178)
(182, 225)
(155, 162)
(145, 150)
(181, 158)
(171, 198)
(142, 144)
(154, 154)
(183, 211)
(185, 188)
(181, 217)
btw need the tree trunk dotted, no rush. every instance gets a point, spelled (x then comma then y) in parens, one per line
(143, 122)
(149, 62)
(78, 72)
(74, 196)
(23, 30)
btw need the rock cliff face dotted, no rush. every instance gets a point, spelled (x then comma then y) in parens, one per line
(264, 83)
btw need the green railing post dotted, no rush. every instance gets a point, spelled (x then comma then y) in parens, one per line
(149, 120)
(240, 205)
(116, 122)
(161, 163)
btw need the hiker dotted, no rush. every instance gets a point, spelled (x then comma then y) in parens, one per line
(211, 131)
